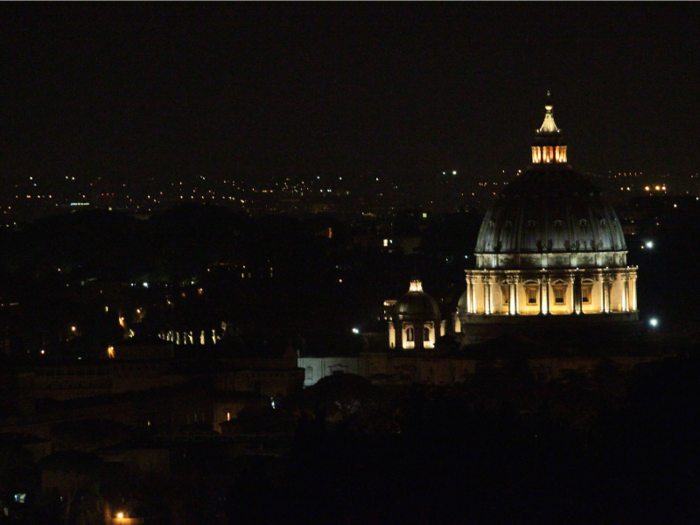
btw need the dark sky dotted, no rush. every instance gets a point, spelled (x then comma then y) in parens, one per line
(227, 90)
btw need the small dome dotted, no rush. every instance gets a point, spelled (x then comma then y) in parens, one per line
(417, 305)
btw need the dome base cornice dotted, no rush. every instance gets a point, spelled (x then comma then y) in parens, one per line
(525, 260)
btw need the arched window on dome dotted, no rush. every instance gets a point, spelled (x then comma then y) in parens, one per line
(532, 290)
(587, 291)
(409, 334)
(426, 333)
(559, 288)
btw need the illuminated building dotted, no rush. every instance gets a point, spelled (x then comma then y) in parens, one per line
(551, 266)
(550, 252)
(414, 321)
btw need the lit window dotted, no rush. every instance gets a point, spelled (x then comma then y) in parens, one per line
(586, 291)
(426, 333)
(559, 293)
(409, 334)
(532, 291)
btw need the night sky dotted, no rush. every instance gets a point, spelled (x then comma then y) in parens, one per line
(126, 91)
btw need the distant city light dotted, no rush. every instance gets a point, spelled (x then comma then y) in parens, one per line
(649, 244)
(355, 330)
(653, 322)
(145, 285)
(454, 172)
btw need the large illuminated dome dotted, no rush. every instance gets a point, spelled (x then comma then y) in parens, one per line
(550, 252)
(549, 217)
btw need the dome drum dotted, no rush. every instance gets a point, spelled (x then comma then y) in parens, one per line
(550, 292)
